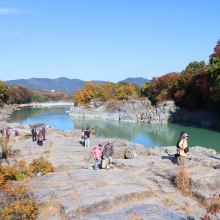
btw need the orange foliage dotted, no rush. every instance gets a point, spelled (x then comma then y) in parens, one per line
(216, 51)
(105, 92)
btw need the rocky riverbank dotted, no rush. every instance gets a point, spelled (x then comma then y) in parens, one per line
(140, 186)
(131, 110)
(6, 112)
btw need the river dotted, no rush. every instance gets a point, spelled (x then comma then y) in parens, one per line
(146, 134)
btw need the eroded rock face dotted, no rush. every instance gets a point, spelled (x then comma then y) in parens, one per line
(128, 110)
(131, 110)
(6, 112)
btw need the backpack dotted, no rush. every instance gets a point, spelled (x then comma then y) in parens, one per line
(177, 144)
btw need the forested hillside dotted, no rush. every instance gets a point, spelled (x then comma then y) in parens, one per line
(21, 95)
(63, 84)
(196, 87)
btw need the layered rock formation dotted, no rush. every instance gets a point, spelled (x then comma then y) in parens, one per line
(128, 110)
(131, 110)
(138, 188)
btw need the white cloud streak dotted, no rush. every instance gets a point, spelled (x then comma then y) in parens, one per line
(4, 11)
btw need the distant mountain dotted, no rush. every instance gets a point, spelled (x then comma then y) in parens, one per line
(137, 80)
(63, 84)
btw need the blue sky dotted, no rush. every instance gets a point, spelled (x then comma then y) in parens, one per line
(104, 39)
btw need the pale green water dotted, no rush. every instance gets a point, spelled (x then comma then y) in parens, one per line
(142, 133)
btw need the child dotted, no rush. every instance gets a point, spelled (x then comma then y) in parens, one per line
(96, 152)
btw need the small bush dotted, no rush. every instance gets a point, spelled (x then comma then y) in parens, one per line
(6, 174)
(6, 150)
(213, 209)
(19, 205)
(182, 180)
(21, 209)
(150, 152)
(19, 176)
(40, 166)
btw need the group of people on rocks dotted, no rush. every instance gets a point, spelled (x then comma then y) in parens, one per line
(7, 133)
(38, 135)
(85, 135)
(103, 157)
(182, 148)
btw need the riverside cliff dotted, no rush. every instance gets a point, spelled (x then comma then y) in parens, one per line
(131, 110)
(140, 186)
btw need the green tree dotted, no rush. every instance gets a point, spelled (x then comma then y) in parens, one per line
(3, 91)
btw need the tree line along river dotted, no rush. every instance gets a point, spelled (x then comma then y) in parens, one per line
(146, 134)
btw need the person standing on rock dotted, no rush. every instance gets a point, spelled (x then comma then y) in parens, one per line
(43, 131)
(96, 152)
(16, 135)
(177, 145)
(39, 138)
(33, 133)
(2, 131)
(86, 137)
(8, 132)
(107, 154)
(182, 146)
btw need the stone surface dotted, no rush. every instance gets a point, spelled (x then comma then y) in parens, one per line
(139, 187)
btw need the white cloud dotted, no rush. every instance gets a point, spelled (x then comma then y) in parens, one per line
(4, 11)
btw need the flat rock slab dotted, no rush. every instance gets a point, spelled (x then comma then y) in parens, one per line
(86, 175)
(52, 177)
(77, 190)
(142, 212)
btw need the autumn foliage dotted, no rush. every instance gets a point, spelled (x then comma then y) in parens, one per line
(21, 95)
(213, 209)
(105, 92)
(17, 202)
(196, 87)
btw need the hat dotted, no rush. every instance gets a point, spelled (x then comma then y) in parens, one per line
(185, 135)
(109, 142)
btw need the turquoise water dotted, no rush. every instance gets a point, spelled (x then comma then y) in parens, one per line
(142, 133)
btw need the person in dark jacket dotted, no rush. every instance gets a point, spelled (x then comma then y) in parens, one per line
(108, 154)
(43, 131)
(33, 133)
(86, 137)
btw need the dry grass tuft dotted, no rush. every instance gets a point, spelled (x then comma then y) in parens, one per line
(133, 216)
(182, 180)
(120, 165)
(169, 202)
(150, 152)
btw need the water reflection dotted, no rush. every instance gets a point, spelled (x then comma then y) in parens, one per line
(142, 133)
